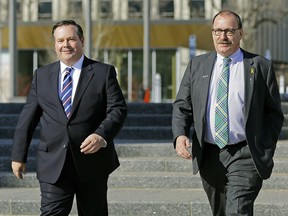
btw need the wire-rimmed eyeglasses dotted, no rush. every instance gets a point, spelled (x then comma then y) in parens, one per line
(228, 32)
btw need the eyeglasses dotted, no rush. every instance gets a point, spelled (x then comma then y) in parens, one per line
(228, 32)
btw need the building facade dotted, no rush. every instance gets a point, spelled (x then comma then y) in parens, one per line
(117, 36)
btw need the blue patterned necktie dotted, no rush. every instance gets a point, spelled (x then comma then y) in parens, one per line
(221, 109)
(66, 92)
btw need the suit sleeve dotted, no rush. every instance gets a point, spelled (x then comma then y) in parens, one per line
(116, 110)
(273, 105)
(182, 116)
(27, 123)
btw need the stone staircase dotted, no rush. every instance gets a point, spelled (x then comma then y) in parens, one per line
(152, 179)
(149, 122)
(145, 122)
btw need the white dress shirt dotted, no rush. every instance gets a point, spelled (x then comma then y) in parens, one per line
(75, 75)
(235, 99)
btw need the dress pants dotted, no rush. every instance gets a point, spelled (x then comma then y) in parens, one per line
(230, 179)
(57, 199)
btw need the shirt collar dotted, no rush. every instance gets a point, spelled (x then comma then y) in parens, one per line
(76, 66)
(235, 57)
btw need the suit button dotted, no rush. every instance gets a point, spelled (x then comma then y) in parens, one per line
(64, 146)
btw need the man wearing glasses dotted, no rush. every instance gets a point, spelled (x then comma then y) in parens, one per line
(231, 102)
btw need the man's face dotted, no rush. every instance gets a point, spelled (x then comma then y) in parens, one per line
(229, 40)
(68, 45)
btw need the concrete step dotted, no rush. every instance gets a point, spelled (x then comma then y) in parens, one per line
(152, 180)
(284, 106)
(152, 108)
(144, 121)
(132, 132)
(145, 202)
(143, 180)
(285, 123)
(144, 157)
(284, 134)
(147, 164)
(135, 148)
(156, 133)
(10, 120)
(124, 148)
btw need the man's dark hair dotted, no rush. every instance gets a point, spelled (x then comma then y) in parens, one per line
(79, 29)
(232, 13)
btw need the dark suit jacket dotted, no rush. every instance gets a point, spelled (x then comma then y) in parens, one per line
(98, 107)
(263, 115)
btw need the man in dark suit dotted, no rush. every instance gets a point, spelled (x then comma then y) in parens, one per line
(234, 158)
(76, 152)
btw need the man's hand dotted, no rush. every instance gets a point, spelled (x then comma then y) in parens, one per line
(182, 144)
(18, 168)
(92, 144)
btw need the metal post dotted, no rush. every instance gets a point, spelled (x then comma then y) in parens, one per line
(88, 37)
(35, 60)
(13, 45)
(1, 66)
(1, 27)
(153, 95)
(178, 70)
(158, 88)
(129, 87)
(106, 56)
(146, 43)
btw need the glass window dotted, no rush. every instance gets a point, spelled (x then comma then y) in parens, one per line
(75, 8)
(119, 58)
(164, 66)
(166, 8)
(135, 8)
(137, 76)
(25, 69)
(197, 8)
(4, 10)
(45, 9)
(224, 4)
(19, 6)
(105, 9)
(25, 72)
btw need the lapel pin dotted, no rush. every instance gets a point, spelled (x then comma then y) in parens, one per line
(252, 70)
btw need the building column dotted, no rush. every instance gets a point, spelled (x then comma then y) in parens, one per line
(34, 10)
(25, 10)
(124, 10)
(211, 8)
(154, 8)
(116, 5)
(63, 7)
(3, 10)
(181, 10)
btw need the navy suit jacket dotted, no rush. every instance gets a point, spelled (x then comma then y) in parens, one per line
(263, 115)
(98, 107)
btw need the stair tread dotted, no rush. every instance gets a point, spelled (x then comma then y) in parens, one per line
(184, 195)
(142, 174)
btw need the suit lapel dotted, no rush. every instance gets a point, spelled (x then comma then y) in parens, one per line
(249, 74)
(54, 79)
(206, 74)
(206, 78)
(85, 77)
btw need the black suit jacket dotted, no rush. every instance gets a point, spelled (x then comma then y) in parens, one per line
(98, 107)
(263, 115)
